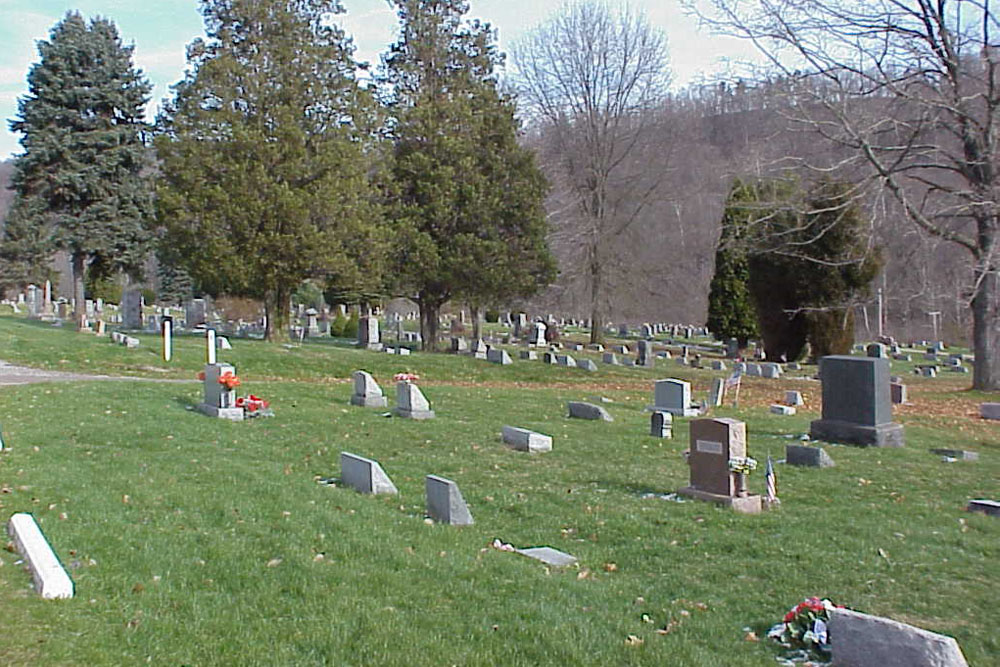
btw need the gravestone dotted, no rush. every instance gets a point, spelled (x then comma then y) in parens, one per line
(410, 402)
(194, 313)
(802, 455)
(131, 309)
(781, 409)
(520, 325)
(989, 410)
(367, 393)
(529, 355)
(793, 398)
(717, 394)
(50, 579)
(957, 454)
(479, 349)
(752, 370)
(445, 503)
(364, 475)
(549, 358)
(312, 323)
(525, 440)
(459, 344)
(566, 360)
(623, 330)
(644, 355)
(857, 406)
(587, 365)
(713, 443)
(368, 333)
(732, 348)
(620, 349)
(219, 400)
(498, 355)
(770, 370)
(928, 371)
(610, 358)
(876, 351)
(674, 396)
(897, 392)
(595, 347)
(34, 302)
(647, 331)
(661, 424)
(987, 507)
(581, 410)
(538, 335)
(549, 556)
(862, 640)
(718, 365)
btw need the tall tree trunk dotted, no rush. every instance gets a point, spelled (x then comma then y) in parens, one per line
(429, 310)
(596, 311)
(986, 326)
(276, 307)
(79, 261)
(477, 321)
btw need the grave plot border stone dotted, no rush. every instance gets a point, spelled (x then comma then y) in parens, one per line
(549, 556)
(51, 580)
(960, 454)
(987, 507)
(526, 440)
(364, 475)
(445, 503)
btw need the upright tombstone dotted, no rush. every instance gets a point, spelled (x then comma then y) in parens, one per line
(732, 348)
(520, 325)
(498, 355)
(459, 345)
(566, 360)
(714, 444)
(610, 358)
(645, 357)
(368, 333)
(717, 395)
(876, 351)
(538, 335)
(411, 403)
(34, 302)
(195, 313)
(674, 396)
(897, 391)
(131, 308)
(661, 424)
(445, 503)
(364, 475)
(312, 322)
(367, 393)
(219, 399)
(857, 405)
(479, 349)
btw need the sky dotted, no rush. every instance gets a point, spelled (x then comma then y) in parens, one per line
(161, 29)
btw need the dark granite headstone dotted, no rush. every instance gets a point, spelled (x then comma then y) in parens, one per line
(813, 457)
(857, 407)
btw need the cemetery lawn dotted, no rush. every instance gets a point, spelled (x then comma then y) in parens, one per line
(198, 541)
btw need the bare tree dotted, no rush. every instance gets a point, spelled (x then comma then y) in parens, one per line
(591, 79)
(911, 87)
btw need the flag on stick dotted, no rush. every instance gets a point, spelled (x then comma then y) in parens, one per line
(771, 494)
(734, 382)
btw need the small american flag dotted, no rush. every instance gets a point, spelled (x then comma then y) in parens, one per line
(771, 494)
(733, 380)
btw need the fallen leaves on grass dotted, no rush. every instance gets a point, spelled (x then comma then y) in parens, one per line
(274, 562)
(633, 640)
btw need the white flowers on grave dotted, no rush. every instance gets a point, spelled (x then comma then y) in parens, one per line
(742, 464)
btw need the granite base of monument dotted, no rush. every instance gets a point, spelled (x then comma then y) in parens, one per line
(833, 430)
(750, 504)
(232, 414)
(369, 401)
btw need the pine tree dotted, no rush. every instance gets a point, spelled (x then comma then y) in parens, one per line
(468, 199)
(267, 155)
(731, 310)
(84, 169)
(25, 248)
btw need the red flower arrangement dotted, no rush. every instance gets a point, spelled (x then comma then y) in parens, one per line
(805, 625)
(405, 377)
(252, 403)
(228, 380)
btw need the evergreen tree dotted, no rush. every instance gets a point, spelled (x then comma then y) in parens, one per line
(468, 200)
(25, 248)
(266, 155)
(84, 167)
(731, 310)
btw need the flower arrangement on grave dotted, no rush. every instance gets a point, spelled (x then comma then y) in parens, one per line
(229, 381)
(743, 465)
(805, 626)
(254, 406)
(405, 377)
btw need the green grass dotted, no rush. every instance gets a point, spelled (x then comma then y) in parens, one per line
(175, 523)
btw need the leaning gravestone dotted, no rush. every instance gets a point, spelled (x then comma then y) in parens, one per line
(714, 443)
(857, 406)
(364, 475)
(581, 410)
(410, 402)
(861, 640)
(445, 503)
(812, 457)
(525, 440)
(674, 396)
(367, 393)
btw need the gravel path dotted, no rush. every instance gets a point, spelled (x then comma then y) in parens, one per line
(11, 375)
